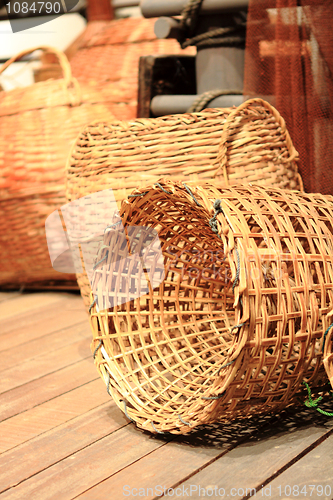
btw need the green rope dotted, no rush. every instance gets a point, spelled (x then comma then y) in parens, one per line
(108, 385)
(237, 326)
(313, 403)
(92, 304)
(100, 261)
(95, 351)
(325, 335)
(237, 272)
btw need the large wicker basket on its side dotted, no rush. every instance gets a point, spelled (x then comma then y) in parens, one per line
(246, 144)
(38, 125)
(236, 324)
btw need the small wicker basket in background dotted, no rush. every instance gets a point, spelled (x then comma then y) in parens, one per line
(237, 324)
(245, 144)
(38, 125)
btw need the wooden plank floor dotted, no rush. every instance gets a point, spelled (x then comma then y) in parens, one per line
(62, 437)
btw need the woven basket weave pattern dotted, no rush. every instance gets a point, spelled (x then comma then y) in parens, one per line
(246, 144)
(237, 323)
(102, 46)
(38, 125)
(24, 253)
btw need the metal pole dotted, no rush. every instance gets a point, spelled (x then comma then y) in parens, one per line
(174, 104)
(167, 27)
(159, 8)
(220, 68)
(120, 4)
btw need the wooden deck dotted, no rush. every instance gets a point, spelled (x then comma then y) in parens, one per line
(62, 437)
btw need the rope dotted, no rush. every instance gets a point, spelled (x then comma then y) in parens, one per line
(218, 37)
(325, 335)
(213, 225)
(109, 393)
(95, 351)
(146, 192)
(236, 326)
(224, 366)
(112, 225)
(161, 187)
(107, 385)
(189, 19)
(237, 272)
(190, 192)
(212, 221)
(127, 415)
(183, 421)
(135, 195)
(203, 99)
(156, 430)
(92, 304)
(314, 403)
(213, 398)
(100, 261)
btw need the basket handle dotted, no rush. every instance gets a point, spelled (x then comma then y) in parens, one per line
(223, 147)
(63, 61)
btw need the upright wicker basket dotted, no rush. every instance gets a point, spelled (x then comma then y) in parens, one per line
(38, 125)
(238, 321)
(245, 144)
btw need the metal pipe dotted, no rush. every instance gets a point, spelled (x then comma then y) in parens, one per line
(220, 68)
(167, 27)
(175, 104)
(120, 4)
(159, 8)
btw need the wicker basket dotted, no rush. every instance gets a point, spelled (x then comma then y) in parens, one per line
(38, 125)
(245, 144)
(238, 321)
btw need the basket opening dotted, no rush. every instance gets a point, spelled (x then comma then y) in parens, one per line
(168, 345)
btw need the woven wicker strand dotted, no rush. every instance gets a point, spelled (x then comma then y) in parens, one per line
(245, 144)
(38, 125)
(328, 352)
(237, 324)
